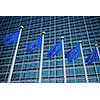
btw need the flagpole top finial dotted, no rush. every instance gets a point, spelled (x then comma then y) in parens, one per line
(80, 41)
(21, 27)
(96, 45)
(62, 37)
(43, 32)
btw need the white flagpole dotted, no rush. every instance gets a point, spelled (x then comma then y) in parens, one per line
(86, 76)
(96, 45)
(14, 57)
(63, 52)
(41, 59)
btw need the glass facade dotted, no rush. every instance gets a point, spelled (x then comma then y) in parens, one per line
(26, 68)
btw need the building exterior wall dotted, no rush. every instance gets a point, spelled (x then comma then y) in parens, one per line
(73, 28)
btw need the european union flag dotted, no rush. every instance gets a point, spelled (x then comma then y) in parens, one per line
(93, 57)
(10, 39)
(73, 53)
(55, 50)
(35, 45)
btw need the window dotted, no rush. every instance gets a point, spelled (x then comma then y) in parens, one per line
(71, 81)
(45, 81)
(59, 80)
(98, 69)
(32, 75)
(15, 75)
(45, 73)
(22, 75)
(45, 64)
(59, 62)
(93, 79)
(2, 77)
(59, 72)
(80, 80)
(52, 73)
(35, 74)
(91, 70)
(52, 63)
(79, 71)
(27, 74)
(70, 72)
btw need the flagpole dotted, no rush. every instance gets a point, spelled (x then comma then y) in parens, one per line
(41, 59)
(96, 45)
(86, 76)
(14, 57)
(64, 67)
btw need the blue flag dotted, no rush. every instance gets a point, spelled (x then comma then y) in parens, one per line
(10, 39)
(93, 57)
(55, 50)
(73, 53)
(35, 45)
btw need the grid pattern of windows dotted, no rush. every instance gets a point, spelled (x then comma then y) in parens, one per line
(26, 68)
